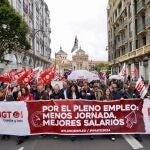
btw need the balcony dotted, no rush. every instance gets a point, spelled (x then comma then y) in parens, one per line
(140, 28)
(140, 6)
(147, 22)
(147, 2)
(131, 55)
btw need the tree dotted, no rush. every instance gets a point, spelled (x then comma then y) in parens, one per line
(99, 67)
(13, 31)
(106, 67)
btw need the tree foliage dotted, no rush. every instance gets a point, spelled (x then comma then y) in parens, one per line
(106, 67)
(99, 67)
(13, 31)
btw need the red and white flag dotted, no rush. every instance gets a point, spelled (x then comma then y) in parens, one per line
(30, 76)
(141, 88)
(17, 75)
(7, 76)
(123, 71)
(47, 76)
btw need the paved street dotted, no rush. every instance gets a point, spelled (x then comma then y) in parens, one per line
(81, 143)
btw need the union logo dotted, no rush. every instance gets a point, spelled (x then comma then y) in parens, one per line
(36, 119)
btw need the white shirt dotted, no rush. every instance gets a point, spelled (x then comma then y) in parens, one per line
(65, 94)
(74, 95)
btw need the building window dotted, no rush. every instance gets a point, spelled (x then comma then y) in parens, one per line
(130, 45)
(130, 12)
(137, 44)
(144, 40)
(130, 29)
(80, 66)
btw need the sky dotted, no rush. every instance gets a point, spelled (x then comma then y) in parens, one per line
(85, 18)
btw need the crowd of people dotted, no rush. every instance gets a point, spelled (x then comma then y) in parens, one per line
(77, 89)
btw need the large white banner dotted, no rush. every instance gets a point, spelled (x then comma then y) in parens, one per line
(14, 118)
(146, 115)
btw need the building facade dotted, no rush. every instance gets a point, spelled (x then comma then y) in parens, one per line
(80, 60)
(37, 15)
(129, 37)
(61, 63)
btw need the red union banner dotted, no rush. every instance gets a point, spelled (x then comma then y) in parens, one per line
(75, 117)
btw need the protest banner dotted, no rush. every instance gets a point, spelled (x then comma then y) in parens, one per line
(75, 117)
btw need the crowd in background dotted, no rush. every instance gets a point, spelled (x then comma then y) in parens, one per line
(77, 89)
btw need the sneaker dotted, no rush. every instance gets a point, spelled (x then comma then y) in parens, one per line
(91, 137)
(73, 138)
(138, 137)
(113, 138)
(19, 142)
(56, 137)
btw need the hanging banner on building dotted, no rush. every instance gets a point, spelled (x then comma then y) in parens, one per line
(75, 117)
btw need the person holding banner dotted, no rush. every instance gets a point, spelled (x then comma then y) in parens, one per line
(25, 95)
(116, 93)
(64, 90)
(34, 91)
(16, 92)
(2, 98)
(108, 97)
(73, 92)
(86, 93)
(98, 93)
(56, 93)
(2, 94)
(131, 92)
(41, 95)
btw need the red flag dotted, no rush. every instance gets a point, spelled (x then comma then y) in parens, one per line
(141, 88)
(123, 70)
(4, 79)
(7, 77)
(17, 75)
(58, 76)
(29, 77)
(47, 76)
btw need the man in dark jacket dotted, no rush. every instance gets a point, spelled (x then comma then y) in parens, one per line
(133, 93)
(65, 90)
(86, 93)
(34, 92)
(56, 93)
(116, 93)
